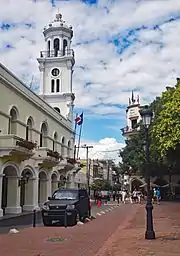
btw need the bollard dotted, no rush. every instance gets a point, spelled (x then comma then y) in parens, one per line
(34, 218)
(65, 219)
(89, 212)
(90, 207)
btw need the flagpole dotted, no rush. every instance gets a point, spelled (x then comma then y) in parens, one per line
(75, 127)
(79, 141)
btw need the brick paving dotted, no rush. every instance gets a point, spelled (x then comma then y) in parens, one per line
(27, 223)
(85, 240)
(131, 241)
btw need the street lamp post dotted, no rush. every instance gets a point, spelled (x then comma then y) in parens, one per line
(147, 114)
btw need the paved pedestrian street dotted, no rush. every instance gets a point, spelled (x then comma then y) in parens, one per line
(80, 240)
(118, 231)
(95, 210)
(131, 241)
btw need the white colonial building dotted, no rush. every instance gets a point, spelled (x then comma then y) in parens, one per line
(36, 134)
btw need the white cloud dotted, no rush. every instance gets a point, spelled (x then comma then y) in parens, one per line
(106, 148)
(103, 110)
(148, 64)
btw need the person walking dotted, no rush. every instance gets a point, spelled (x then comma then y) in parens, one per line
(131, 197)
(124, 196)
(139, 196)
(154, 195)
(114, 196)
(158, 195)
(134, 194)
(117, 197)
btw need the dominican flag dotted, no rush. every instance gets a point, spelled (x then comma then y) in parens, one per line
(79, 119)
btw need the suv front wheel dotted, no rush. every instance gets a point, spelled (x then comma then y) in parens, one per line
(47, 222)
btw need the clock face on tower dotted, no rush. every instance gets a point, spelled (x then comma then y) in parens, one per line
(55, 72)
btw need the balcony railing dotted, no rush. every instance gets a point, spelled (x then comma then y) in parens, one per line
(128, 129)
(54, 53)
(15, 142)
(26, 144)
(71, 160)
(54, 154)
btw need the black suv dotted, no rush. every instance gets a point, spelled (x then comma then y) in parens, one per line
(66, 206)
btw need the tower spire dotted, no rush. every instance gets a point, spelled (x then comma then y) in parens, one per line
(132, 98)
(129, 101)
(138, 99)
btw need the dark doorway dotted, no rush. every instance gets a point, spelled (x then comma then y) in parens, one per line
(4, 193)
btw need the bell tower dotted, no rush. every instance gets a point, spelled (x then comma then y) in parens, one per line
(133, 117)
(56, 67)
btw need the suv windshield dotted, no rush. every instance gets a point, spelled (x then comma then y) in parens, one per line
(68, 195)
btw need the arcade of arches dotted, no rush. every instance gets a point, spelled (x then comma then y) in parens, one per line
(25, 190)
(164, 183)
(135, 184)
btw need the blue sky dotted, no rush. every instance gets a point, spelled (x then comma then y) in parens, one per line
(120, 46)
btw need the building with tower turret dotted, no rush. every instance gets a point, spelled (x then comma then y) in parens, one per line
(168, 183)
(36, 131)
(132, 116)
(56, 67)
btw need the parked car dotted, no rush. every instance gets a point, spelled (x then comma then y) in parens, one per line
(66, 206)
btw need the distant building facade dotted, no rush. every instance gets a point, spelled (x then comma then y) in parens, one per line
(98, 169)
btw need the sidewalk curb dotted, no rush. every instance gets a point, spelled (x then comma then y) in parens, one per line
(113, 238)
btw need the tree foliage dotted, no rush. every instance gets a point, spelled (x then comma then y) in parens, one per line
(100, 185)
(133, 156)
(166, 128)
(164, 137)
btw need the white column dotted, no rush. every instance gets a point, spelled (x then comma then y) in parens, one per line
(72, 181)
(45, 191)
(35, 192)
(70, 80)
(31, 195)
(61, 44)
(49, 188)
(13, 196)
(1, 210)
(41, 69)
(51, 44)
(54, 186)
(68, 45)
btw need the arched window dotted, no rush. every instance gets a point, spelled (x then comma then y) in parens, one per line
(57, 109)
(52, 85)
(48, 49)
(56, 47)
(12, 129)
(55, 138)
(43, 135)
(69, 149)
(57, 85)
(62, 146)
(64, 46)
(29, 129)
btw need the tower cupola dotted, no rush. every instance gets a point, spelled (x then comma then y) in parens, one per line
(56, 66)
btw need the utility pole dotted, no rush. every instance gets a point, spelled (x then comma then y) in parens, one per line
(109, 165)
(87, 147)
(108, 171)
